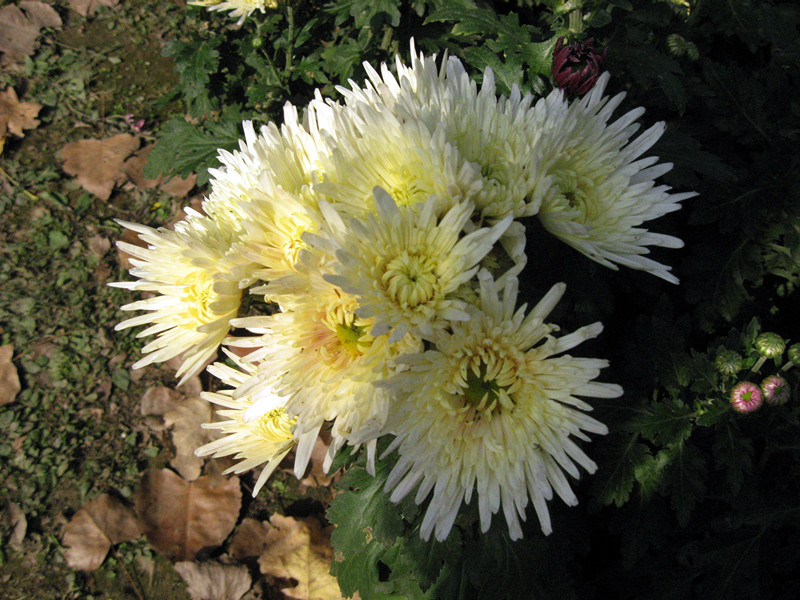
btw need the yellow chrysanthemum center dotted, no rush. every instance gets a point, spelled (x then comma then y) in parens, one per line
(409, 279)
(293, 245)
(198, 294)
(348, 338)
(487, 377)
(275, 425)
(408, 189)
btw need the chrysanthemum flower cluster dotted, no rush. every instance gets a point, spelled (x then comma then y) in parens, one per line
(384, 232)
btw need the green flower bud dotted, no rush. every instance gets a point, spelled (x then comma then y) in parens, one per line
(770, 345)
(794, 353)
(728, 362)
(257, 41)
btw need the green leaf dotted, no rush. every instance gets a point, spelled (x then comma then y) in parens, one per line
(184, 148)
(195, 62)
(57, 240)
(366, 523)
(733, 452)
(687, 478)
(366, 14)
(620, 458)
(663, 422)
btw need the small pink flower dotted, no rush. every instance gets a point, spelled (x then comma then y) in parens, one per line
(746, 397)
(136, 125)
(776, 390)
(577, 67)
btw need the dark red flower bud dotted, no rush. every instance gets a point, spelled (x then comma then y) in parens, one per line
(576, 67)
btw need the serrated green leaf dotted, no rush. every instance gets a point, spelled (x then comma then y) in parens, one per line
(663, 421)
(469, 18)
(508, 73)
(687, 480)
(184, 148)
(621, 457)
(733, 452)
(195, 62)
(366, 524)
(366, 14)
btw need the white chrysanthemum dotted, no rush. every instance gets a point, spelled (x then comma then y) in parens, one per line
(370, 147)
(197, 282)
(405, 266)
(237, 8)
(258, 430)
(492, 133)
(270, 165)
(320, 356)
(602, 191)
(492, 410)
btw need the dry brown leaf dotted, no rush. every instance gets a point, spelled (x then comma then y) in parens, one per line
(96, 527)
(186, 417)
(89, 7)
(9, 379)
(180, 518)
(156, 401)
(300, 550)
(15, 115)
(213, 581)
(19, 30)
(98, 165)
(41, 14)
(176, 186)
(99, 246)
(18, 523)
(250, 539)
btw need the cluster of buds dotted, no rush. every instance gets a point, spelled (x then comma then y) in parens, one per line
(745, 397)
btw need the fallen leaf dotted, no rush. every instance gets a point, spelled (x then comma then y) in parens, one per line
(98, 165)
(99, 245)
(300, 550)
(15, 115)
(175, 186)
(186, 417)
(156, 401)
(213, 581)
(9, 379)
(19, 31)
(250, 539)
(180, 518)
(19, 524)
(96, 527)
(89, 7)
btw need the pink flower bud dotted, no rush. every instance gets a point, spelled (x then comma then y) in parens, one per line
(577, 67)
(776, 390)
(746, 397)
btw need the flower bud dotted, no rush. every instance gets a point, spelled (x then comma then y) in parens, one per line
(576, 67)
(776, 390)
(770, 345)
(728, 362)
(794, 353)
(746, 397)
